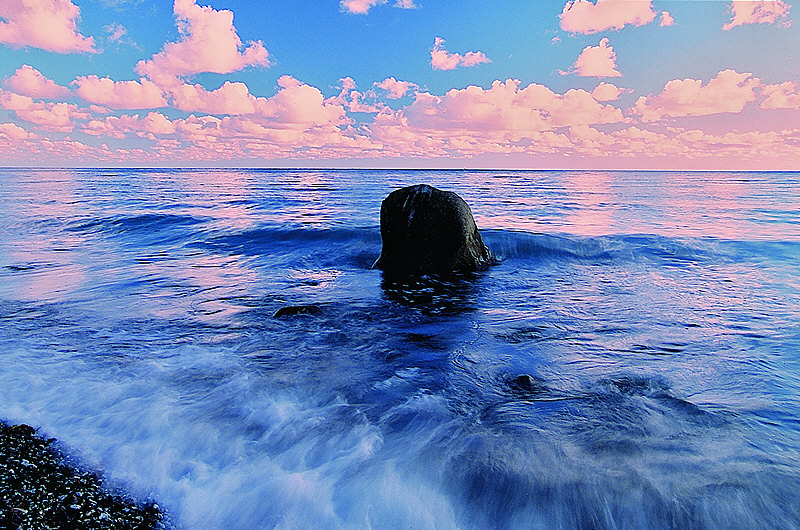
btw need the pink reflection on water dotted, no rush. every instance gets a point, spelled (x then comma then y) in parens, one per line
(312, 200)
(593, 214)
(735, 206)
(45, 268)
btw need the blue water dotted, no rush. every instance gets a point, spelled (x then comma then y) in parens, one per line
(633, 361)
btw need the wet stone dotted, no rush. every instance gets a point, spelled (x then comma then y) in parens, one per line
(293, 310)
(38, 489)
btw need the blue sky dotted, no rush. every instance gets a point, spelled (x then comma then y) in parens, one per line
(318, 43)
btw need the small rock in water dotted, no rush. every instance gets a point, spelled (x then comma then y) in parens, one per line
(429, 231)
(527, 384)
(292, 310)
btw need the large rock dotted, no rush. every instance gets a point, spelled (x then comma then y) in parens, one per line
(429, 231)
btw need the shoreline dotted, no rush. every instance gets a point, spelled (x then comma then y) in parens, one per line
(40, 487)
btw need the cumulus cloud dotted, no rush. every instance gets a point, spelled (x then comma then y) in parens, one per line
(441, 59)
(362, 7)
(666, 19)
(299, 105)
(353, 100)
(395, 89)
(584, 16)
(142, 94)
(596, 61)
(153, 125)
(505, 107)
(13, 132)
(28, 81)
(607, 92)
(208, 43)
(47, 24)
(757, 12)
(781, 96)
(56, 117)
(729, 91)
(230, 98)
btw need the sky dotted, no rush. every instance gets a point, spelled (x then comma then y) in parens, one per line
(528, 84)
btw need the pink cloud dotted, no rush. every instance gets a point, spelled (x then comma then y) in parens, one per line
(362, 7)
(583, 16)
(153, 125)
(299, 106)
(729, 91)
(115, 31)
(47, 24)
(395, 89)
(353, 100)
(141, 94)
(666, 19)
(596, 61)
(13, 132)
(689, 148)
(209, 43)
(441, 59)
(57, 117)
(507, 108)
(782, 96)
(607, 92)
(230, 98)
(757, 12)
(28, 81)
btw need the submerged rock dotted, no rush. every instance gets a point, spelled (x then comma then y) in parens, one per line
(429, 231)
(292, 310)
(527, 384)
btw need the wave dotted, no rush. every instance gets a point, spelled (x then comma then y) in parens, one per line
(135, 223)
(360, 246)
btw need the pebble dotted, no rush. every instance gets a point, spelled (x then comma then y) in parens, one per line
(38, 489)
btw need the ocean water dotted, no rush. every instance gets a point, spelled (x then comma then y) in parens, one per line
(633, 360)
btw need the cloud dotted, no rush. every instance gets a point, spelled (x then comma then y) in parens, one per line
(607, 92)
(230, 98)
(141, 94)
(666, 19)
(13, 132)
(729, 91)
(395, 89)
(583, 16)
(151, 126)
(507, 108)
(28, 81)
(56, 117)
(442, 60)
(47, 24)
(352, 99)
(782, 96)
(208, 43)
(115, 31)
(362, 7)
(299, 106)
(595, 61)
(757, 12)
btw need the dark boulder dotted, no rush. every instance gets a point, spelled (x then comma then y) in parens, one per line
(293, 310)
(527, 384)
(429, 231)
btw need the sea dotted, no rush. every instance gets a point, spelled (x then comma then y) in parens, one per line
(631, 361)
